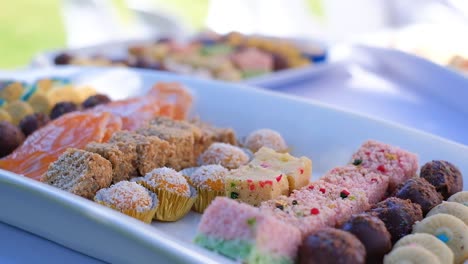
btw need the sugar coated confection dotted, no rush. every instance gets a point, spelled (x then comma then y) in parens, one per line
(127, 195)
(80, 172)
(254, 184)
(373, 184)
(265, 138)
(228, 156)
(297, 170)
(209, 177)
(243, 233)
(168, 179)
(331, 245)
(398, 164)
(445, 176)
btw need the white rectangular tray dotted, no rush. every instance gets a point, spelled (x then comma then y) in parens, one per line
(325, 134)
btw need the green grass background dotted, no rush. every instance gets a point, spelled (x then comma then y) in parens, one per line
(28, 27)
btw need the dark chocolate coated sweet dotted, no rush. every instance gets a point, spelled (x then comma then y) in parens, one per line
(446, 177)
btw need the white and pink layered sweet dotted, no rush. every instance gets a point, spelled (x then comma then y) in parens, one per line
(356, 177)
(398, 164)
(318, 205)
(242, 232)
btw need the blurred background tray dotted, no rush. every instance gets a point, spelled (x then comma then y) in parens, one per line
(387, 84)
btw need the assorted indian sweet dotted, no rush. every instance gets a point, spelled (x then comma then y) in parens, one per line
(129, 198)
(30, 107)
(355, 213)
(97, 124)
(231, 57)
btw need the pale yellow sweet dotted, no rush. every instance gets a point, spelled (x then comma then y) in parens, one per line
(12, 92)
(253, 184)
(297, 170)
(40, 103)
(18, 110)
(44, 86)
(5, 116)
(85, 92)
(66, 93)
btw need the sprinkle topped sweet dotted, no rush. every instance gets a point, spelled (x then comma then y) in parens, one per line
(265, 138)
(126, 195)
(398, 164)
(169, 180)
(209, 177)
(229, 156)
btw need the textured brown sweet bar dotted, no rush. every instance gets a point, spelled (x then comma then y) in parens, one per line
(151, 152)
(123, 162)
(181, 140)
(80, 172)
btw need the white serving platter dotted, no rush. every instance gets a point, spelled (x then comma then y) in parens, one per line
(384, 83)
(325, 134)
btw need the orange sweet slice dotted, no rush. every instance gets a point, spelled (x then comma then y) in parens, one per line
(165, 99)
(73, 130)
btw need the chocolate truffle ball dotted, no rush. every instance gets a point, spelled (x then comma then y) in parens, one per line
(10, 138)
(33, 122)
(94, 100)
(62, 108)
(398, 216)
(331, 246)
(419, 191)
(371, 231)
(446, 178)
(63, 59)
(279, 62)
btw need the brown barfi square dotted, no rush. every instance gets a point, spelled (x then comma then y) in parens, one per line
(211, 134)
(80, 172)
(181, 140)
(151, 152)
(184, 125)
(123, 162)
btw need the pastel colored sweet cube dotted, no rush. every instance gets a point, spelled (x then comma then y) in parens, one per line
(297, 170)
(254, 184)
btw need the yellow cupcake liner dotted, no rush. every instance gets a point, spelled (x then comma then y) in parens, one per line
(204, 199)
(172, 206)
(145, 216)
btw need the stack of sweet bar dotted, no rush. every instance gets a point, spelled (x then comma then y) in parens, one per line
(352, 214)
(231, 57)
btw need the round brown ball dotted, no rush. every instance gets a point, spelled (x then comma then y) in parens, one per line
(62, 108)
(331, 246)
(33, 122)
(446, 177)
(398, 216)
(419, 191)
(94, 100)
(373, 234)
(10, 138)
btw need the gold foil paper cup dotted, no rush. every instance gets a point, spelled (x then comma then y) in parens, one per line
(145, 216)
(204, 199)
(172, 206)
